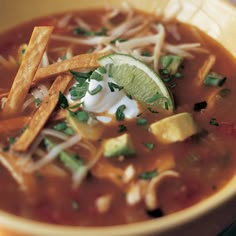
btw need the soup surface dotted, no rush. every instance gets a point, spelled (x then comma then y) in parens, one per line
(101, 157)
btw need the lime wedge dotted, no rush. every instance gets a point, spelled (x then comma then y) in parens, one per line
(138, 80)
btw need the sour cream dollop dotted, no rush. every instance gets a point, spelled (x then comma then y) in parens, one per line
(106, 102)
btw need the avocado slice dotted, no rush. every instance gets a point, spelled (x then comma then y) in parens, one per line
(175, 128)
(121, 145)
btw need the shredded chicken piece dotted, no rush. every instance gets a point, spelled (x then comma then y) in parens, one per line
(124, 27)
(45, 60)
(25, 181)
(53, 153)
(103, 203)
(151, 199)
(172, 29)
(40, 92)
(129, 174)
(81, 23)
(88, 41)
(28, 102)
(80, 175)
(136, 192)
(134, 195)
(54, 133)
(64, 21)
(159, 44)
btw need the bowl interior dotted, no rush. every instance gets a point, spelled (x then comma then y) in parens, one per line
(203, 14)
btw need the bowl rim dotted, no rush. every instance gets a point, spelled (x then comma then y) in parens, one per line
(160, 225)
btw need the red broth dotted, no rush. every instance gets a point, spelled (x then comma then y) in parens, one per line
(205, 162)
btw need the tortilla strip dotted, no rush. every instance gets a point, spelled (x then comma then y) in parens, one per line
(59, 115)
(205, 69)
(79, 62)
(43, 113)
(21, 121)
(24, 180)
(24, 77)
(13, 123)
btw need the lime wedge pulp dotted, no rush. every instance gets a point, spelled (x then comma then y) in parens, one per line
(138, 80)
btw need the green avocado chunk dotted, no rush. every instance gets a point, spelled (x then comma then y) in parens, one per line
(119, 146)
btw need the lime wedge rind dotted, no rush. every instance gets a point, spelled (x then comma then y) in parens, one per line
(138, 80)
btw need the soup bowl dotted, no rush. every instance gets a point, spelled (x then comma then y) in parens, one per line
(217, 19)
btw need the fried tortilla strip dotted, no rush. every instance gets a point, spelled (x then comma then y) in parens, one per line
(24, 180)
(43, 113)
(21, 121)
(79, 62)
(24, 77)
(205, 69)
(13, 123)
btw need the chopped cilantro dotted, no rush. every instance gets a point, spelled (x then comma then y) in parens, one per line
(63, 57)
(69, 131)
(23, 129)
(148, 175)
(118, 40)
(81, 116)
(80, 77)
(120, 112)
(152, 111)
(76, 105)
(78, 91)
(63, 127)
(114, 86)
(96, 90)
(11, 140)
(158, 96)
(74, 205)
(146, 54)
(213, 79)
(141, 121)
(69, 160)
(37, 101)
(60, 126)
(122, 128)
(102, 70)
(150, 146)
(63, 101)
(96, 76)
(214, 122)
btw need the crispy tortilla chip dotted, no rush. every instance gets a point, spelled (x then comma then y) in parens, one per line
(79, 62)
(30, 63)
(13, 123)
(43, 113)
(21, 121)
